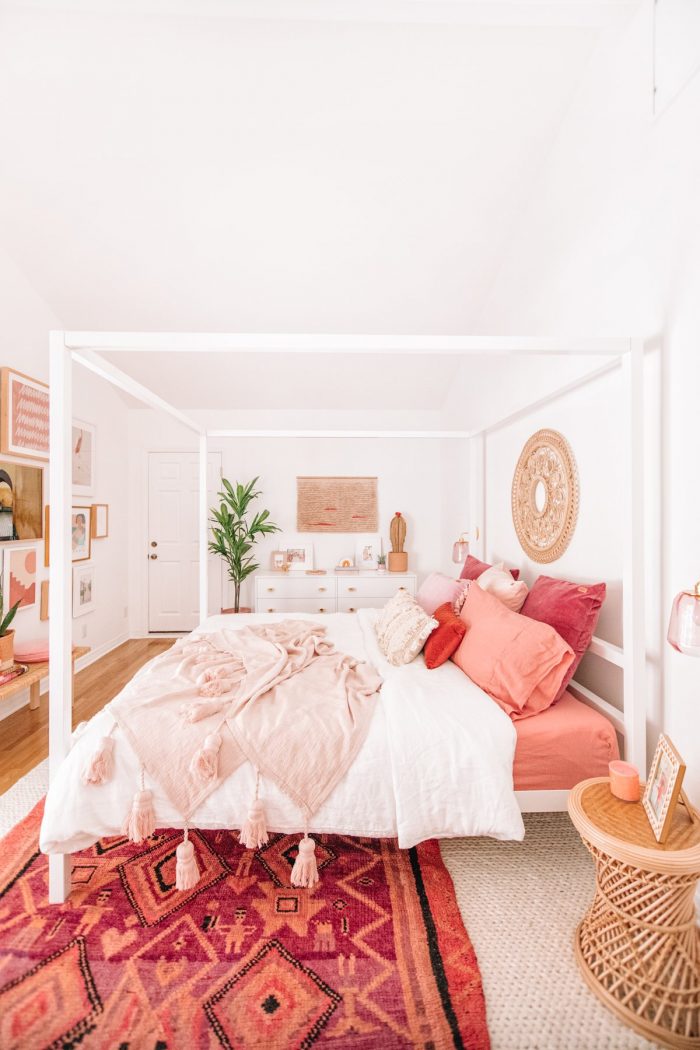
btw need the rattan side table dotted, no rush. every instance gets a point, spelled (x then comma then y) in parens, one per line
(638, 946)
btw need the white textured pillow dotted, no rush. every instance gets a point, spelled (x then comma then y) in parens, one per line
(498, 582)
(403, 629)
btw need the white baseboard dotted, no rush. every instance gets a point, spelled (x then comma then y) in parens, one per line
(140, 636)
(20, 700)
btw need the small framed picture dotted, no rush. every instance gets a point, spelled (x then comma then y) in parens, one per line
(367, 551)
(24, 415)
(19, 577)
(278, 561)
(300, 557)
(83, 590)
(663, 787)
(83, 444)
(99, 521)
(80, 533)
(44, 606)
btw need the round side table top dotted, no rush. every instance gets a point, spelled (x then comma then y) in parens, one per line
(622, 830)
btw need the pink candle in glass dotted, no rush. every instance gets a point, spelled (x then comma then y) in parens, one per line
(624, 781)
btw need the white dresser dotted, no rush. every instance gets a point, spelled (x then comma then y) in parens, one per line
(290, 592)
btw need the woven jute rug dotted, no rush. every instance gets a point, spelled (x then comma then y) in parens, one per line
(375, 955)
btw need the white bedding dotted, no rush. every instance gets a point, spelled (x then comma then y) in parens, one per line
(437, 763)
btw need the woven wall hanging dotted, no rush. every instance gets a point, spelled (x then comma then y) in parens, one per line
(545, 496)
(337, 505)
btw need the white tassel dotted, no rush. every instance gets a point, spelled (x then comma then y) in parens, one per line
(141, 821)
(100, 766)
(204, 764)
(254, 832)
(305, 872)
(186, 870)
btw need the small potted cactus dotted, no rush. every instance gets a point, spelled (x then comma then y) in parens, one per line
(398, 559)
(7, 637)
(381, 562)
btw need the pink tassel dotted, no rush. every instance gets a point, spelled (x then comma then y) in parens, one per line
(254, 832)
(204, 764)
(186, 870)
(200, 709)
(216, 687)
(141, 821)
(305, 872)
(100, 765)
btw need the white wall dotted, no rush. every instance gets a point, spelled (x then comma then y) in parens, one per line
(431, 491)
(25, 321)
(610, 244)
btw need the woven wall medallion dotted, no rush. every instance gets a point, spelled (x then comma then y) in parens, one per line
(545, 496)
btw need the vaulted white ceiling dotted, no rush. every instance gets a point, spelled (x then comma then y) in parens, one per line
(179, 165)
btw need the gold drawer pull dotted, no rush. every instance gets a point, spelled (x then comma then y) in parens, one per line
(351, 609)
(321, 610)
(352, 589)
(270, 589)
(322, 588)
(270, 610)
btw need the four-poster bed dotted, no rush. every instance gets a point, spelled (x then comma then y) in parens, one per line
(84, 347)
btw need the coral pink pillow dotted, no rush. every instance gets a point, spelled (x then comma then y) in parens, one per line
(501, 585)
(436, 590)
(445, 639)
(473, 569)
(518, 661)
(572, 609)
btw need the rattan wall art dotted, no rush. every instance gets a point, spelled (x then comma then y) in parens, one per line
(545, 496)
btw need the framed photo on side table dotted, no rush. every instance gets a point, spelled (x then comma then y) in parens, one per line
(663, 787)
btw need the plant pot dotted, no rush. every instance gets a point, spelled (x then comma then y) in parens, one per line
(243, 609)
(398, 561)
(381, 569)
(7, 651)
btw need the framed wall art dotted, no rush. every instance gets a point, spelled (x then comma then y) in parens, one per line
(337, 504)
(99, 521)
(368, 550)
(83, 590)
(21, 501)
(24, 415)
(44, 600)
(83, 444)
(80, 533)
(19, 577)
(300, 556)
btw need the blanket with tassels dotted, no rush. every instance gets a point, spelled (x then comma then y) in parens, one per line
(277, 695)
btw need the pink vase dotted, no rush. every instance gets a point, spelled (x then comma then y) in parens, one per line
(684, 625)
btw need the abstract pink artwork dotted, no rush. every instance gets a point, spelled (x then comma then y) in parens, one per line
(20, 577)
(25, 416)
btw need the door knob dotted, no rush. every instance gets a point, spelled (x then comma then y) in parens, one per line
(153, 557)
(153, 543)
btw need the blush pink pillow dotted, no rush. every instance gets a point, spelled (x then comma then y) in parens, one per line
(501, 585)
(473, 569)
(519, 662)
(32, 652)
(436, 590)
(572, 609)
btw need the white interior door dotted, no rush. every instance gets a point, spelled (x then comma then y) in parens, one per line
(173, 540)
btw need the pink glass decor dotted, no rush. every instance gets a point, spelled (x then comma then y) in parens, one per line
(460, 549)
(684, 625)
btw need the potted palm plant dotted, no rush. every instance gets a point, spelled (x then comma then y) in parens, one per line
(7, 637)
(236, 533)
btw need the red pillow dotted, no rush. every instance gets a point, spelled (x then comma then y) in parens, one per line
(572, 609)
(445, 639)
(473, 568)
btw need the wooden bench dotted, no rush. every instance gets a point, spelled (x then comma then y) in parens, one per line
(32, 678)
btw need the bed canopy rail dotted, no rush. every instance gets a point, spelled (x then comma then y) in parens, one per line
(65, 347)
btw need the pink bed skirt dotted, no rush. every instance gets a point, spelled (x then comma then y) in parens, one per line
(565, 744)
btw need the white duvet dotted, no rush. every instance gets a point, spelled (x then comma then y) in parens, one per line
(437, 762)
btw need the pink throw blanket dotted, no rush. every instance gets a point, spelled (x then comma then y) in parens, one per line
(277, 695)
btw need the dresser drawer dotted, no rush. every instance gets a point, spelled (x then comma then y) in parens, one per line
(291, 587)
(351, 604)
(290, 606)
(373, 587)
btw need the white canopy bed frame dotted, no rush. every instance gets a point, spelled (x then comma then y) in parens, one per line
(83, 348)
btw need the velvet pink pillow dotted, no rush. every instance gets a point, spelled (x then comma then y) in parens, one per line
(473, 568)
(436, 590)
(519, 662)
(572, 609)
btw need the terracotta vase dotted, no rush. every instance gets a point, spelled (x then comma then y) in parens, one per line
(398, 561)
(7, 651)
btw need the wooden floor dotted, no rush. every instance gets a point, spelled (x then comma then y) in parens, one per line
(24, 735)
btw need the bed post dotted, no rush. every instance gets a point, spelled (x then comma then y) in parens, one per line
(60, 595)
(633, 620)
(203, 530)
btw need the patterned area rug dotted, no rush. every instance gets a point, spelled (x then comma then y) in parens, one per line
(375, 955)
